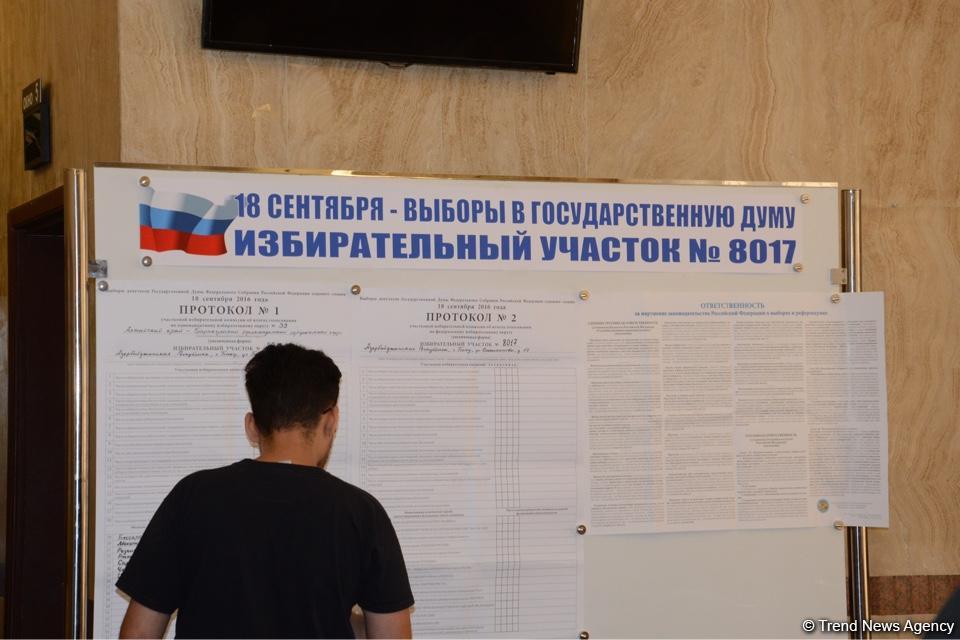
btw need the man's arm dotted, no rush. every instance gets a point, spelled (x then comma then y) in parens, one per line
(388, 625)
(143, 622)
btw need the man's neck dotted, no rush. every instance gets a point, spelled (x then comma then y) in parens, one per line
(295, 447)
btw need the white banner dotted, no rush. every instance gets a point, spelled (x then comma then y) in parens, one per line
(214, 218)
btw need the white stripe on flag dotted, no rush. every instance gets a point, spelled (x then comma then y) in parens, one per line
(226, 211)
(186, 202)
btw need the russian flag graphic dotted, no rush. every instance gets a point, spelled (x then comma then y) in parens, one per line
(171, 221)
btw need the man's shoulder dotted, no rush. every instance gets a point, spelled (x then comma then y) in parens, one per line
(352, 492)
(211, 475)
(255, 482)
(355, 492)
(203, 481)
(253, 471)
(365, 509)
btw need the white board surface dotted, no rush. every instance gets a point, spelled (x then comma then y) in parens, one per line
(705, 584)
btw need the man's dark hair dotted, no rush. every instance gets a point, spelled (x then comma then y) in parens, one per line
(290, 386)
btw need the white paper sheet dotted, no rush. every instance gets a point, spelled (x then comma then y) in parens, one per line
(170, 398)
(463, 424)
(469, 436)
(720, 411)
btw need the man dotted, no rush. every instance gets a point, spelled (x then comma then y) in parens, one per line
(272, 547)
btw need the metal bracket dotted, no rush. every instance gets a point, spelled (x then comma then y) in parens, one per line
(97, 269)
(838, 276)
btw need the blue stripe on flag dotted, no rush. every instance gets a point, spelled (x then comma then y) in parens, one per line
(181, 221)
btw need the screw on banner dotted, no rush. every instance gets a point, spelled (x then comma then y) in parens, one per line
(102, 285)
(805, 198)
(355, 289)
(838, 525)
(835, 298)
(823, 505)
(798, 267)
(581, 529)
(146, 261)
(584, 295)
(144, 181)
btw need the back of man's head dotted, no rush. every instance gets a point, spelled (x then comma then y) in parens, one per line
(290, 386)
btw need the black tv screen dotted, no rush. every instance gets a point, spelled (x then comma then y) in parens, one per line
(542, 35)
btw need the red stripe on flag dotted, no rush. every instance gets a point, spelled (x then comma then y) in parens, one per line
(206, 245)
(146, 238)
(169, 240)
(172, 240)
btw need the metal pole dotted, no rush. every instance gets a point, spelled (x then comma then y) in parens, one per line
(857, 566)
(851, 238)
(78, 381)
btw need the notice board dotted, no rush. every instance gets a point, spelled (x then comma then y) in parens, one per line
(492, 269)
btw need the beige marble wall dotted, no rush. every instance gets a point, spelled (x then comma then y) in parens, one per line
(863, 92)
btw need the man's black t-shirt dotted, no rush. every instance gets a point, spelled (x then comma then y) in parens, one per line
(266, 549)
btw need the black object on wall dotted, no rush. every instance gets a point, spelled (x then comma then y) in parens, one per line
(36, 125)
(539, 35)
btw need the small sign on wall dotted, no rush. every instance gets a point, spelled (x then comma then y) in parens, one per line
(36, 126)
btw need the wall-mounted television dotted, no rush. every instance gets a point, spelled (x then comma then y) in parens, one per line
(540, 35)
